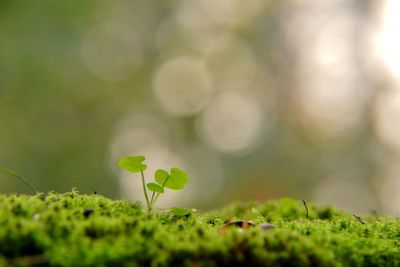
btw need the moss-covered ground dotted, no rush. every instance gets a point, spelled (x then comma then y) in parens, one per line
(72, 229)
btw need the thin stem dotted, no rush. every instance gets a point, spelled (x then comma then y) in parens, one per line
(305, 205)
(158, 194)
(23, 179)
(145, 191)
(152, 198)
(155, 199)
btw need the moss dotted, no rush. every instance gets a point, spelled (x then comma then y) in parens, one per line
(72, 229)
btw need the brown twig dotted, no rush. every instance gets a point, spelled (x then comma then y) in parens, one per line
(358, 219)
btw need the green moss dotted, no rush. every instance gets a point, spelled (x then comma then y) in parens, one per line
(90, 230)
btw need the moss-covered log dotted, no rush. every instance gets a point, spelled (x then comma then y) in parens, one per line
(72, 229)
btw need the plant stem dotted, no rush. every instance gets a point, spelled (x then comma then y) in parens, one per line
(145, 191)
(23, 179)
(158, 194)
(305, 205)
(152, 198)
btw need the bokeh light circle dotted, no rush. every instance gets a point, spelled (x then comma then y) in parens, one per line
(183, 86)
(388, 41)
(232, 122)
(112, 51)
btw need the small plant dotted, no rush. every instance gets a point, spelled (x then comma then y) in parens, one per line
(176, 179)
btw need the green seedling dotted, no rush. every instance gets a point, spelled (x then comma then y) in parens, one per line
(20, 177)
(176, 179)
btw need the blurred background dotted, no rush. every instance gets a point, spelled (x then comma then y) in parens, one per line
(254, 99)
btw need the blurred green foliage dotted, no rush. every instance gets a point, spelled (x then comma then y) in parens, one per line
(57, 118)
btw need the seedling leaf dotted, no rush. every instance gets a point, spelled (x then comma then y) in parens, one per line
(161, 176)
(133, 163)
(177, 179)
(155, 187)
(180, 211)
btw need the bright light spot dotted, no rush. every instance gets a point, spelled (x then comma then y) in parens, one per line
(389, 39)
(343, 191)
(387, 117)
(231, 12)
(330, 98)
(112, 51)
(331, 109)
(232, 122)
(183, 86)
(198, 32)
(234, 67)
(208, 24)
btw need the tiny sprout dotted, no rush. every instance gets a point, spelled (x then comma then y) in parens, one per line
(176, 179)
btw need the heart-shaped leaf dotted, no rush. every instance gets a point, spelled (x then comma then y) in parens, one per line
(132, 163)
(180, 211)
(177, 179)
(155, 187)
(160, 176)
